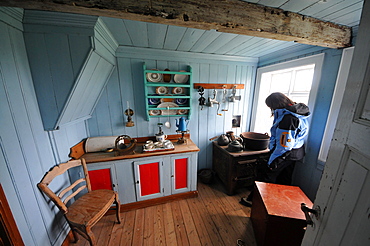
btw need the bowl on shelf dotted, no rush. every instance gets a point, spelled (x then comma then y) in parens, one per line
(154, 101)
(167, 77)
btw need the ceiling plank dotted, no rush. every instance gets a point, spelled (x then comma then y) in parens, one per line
(230, 16)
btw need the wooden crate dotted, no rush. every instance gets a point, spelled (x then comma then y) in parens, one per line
(276, 214)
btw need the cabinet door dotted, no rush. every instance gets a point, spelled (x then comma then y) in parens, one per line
(101, 179)
(149, 179)
(102, 176)
(126, 181)
(181, 174)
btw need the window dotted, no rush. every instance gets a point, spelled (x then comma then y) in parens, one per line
(297, 79)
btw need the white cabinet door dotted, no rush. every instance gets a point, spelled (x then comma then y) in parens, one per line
(149, 178)
(125, 181)
(181, 174)
(102, 176)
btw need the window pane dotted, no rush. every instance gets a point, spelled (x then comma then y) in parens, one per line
(280, 82)
(303, 80)
(300, 98)
(294, 82)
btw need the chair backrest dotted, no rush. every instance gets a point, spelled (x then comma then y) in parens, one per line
(57, 170)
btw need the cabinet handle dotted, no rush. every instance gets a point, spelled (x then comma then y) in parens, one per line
(247, 162)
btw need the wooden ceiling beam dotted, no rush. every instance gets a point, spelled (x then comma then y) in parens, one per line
(230, 16)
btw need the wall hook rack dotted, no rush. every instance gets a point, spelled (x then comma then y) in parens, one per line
(218, 86)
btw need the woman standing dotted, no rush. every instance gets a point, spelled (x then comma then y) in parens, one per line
(289, 129)
(288, 132)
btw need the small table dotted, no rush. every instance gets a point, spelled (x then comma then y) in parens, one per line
(276, 214)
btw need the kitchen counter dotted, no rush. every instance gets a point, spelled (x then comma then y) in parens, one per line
(78, 151)
(93, 157)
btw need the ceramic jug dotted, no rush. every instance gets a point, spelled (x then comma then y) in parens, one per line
(182, 124)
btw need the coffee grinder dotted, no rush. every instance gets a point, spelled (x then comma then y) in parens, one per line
(182, 125)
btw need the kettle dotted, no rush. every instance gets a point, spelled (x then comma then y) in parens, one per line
(235, 146)
(182, 124)
(223, 140)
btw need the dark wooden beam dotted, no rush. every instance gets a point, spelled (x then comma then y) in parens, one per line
(230, 16)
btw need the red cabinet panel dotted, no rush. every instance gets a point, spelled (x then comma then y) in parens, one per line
(149, 178)
(100, 179)
(181, 173)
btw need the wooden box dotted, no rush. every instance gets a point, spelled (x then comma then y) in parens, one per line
(276, 214)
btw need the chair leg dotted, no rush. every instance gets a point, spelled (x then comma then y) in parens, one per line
(91, 236)
(74, 233)
(118, 208)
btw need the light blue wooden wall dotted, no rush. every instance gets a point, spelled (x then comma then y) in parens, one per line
(126, 84)
(26, 150)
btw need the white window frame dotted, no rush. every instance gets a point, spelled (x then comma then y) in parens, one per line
(336, 102)
(318, 60)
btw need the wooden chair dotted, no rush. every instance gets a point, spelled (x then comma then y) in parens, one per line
(87, 210)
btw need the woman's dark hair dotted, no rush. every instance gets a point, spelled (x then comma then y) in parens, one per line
(278, 100)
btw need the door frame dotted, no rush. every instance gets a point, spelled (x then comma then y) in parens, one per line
(7, 220)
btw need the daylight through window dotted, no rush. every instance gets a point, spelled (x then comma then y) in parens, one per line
(294, 82)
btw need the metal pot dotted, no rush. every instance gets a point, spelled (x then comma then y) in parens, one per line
(235, 146)
(255, 141)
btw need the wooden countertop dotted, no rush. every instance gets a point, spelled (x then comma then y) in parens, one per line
(189, 146)
(241, 153)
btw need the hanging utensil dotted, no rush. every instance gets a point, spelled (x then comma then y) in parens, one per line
(224, 98)
(167, 123)
(202, 100)
(232, 98)
(213, 100)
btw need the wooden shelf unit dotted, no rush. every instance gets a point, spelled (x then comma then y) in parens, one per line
(149, 90)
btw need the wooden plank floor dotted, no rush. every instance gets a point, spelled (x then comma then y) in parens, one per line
(213, 218)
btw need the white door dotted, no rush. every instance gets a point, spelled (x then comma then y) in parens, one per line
(343, 194)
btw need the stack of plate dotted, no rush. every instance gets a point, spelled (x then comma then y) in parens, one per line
(154, 101)
(154, 77)
(181, 78)
(177, 90)
(169, 111)
(161, 90)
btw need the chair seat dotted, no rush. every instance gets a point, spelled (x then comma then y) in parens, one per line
(89, 208)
